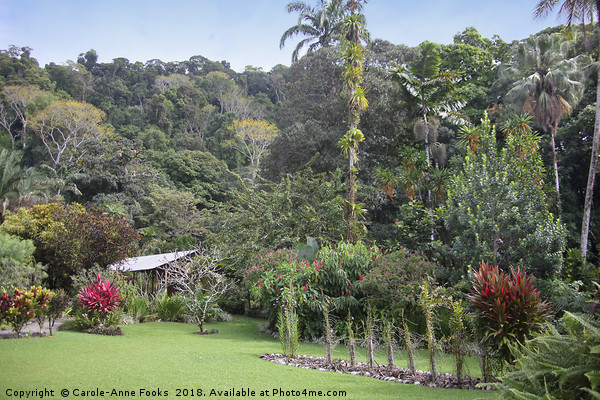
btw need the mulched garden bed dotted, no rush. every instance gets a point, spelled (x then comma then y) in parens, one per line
(400, 375)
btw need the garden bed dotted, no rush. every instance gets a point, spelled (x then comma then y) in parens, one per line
(400, 375)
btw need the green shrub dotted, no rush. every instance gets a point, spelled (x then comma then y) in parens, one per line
(87, 321)
(169, 308)
(137, 307)
(57, 305)
(393, 282)
(557, 365)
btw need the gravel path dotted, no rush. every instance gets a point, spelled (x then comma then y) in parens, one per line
(32, 328)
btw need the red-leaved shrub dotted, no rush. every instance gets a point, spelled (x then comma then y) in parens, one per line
(17, 308)
(508, 307)
(100, 297)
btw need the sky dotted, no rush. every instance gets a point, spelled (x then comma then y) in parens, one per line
(241, 32)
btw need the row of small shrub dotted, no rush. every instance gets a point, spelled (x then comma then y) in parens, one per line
(101, 305)
(20, 306)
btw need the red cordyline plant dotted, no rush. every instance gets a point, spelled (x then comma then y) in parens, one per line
(101, 297)
(508, 308)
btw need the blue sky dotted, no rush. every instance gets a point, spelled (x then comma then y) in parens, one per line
(242, 32)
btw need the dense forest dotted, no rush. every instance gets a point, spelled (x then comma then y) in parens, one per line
(458, 162)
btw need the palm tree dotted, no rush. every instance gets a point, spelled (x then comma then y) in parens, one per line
(550, 85)
(429, 91)
(321, 25)
(16, 182)
(577, 10)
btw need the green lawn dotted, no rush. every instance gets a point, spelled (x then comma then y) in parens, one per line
(169, 357)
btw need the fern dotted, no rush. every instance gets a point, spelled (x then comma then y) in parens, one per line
(557, 365)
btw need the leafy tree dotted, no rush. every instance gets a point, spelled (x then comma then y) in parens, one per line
(199, 172)
(69, 239)
(476, 59)
(252, 139)
(72, 78)
(114, 170)
(17, 67)
(171, 220)
(496, 208)
(66, 127)
(278, 215)
(311, 119)
(17, 264)
(321, 25)
(550, 86)
(17, 105)
(218, 85)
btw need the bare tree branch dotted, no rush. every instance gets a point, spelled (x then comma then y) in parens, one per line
(199, 279)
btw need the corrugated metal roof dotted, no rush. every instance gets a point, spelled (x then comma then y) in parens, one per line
(145, 263)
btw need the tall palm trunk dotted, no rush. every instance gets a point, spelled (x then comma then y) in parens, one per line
(428, 178)
(555, 161)
(589, 192)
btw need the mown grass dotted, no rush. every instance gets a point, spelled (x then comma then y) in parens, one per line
(169, 356)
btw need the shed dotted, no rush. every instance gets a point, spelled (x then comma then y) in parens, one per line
(153, 267)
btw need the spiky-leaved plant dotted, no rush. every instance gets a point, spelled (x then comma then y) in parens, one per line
(428, 302)
(410, 347)
(328, 332)
(459, 335)
(388, 337)
(101, 298)
(370, 338)
(351, 340)
(508, 308)
(287, 324)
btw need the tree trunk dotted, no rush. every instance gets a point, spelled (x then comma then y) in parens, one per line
(589, 192)
(555, 162)
(351, 234)
(429, 195)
